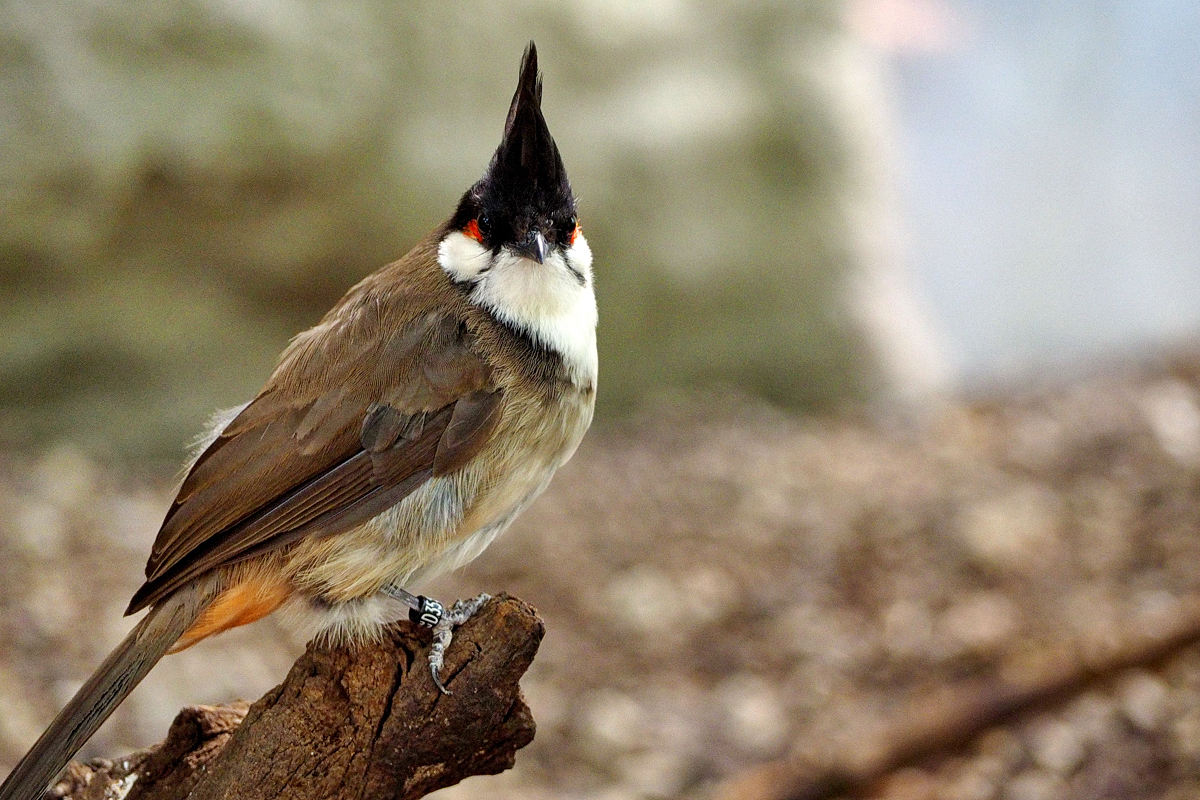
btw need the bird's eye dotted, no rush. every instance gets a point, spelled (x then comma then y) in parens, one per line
(572, 228)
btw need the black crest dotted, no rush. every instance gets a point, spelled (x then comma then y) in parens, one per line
(525, 188)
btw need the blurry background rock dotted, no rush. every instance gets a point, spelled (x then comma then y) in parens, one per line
(185, 184)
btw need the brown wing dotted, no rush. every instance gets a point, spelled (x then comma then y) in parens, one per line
(361, 410)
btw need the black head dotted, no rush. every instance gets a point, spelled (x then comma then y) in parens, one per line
(524, 200)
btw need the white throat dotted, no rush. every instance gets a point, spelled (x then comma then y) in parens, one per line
(553, 302)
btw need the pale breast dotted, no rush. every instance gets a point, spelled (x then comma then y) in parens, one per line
(444, 524)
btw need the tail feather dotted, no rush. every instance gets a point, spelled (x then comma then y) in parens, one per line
(109, 685)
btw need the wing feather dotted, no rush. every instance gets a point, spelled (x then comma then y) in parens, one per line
(474, 418)
(351, 421)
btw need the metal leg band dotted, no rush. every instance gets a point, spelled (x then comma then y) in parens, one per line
(422, 610)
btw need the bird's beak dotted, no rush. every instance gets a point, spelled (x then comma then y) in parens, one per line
(535, 247)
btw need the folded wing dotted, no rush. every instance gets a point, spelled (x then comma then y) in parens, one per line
(358, 414)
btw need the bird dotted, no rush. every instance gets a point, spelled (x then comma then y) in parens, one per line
(392, 442)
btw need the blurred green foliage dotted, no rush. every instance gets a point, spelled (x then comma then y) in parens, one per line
(187, 183)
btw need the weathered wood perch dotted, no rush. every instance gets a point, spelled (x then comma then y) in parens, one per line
(366, 722)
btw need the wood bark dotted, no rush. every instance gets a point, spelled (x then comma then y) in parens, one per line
(347, 722)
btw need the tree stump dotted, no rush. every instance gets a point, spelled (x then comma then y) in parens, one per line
(347, 722)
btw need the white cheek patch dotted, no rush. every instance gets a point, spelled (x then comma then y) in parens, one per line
(579, 256)
(546, 301)
(463, 258)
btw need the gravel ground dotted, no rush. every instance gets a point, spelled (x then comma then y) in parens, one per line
(724, 584)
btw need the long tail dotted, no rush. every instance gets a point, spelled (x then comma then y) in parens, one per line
(109, 685)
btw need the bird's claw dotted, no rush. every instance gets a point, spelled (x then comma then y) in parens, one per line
(443, 633)
(430, 613)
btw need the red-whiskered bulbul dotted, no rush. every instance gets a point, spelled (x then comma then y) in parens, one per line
(394, 441)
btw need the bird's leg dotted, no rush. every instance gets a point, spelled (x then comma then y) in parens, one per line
(421, 609)
(431, 614)
(443, 632)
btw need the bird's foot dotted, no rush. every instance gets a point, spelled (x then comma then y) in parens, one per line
(443, 633)
(431, 614)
